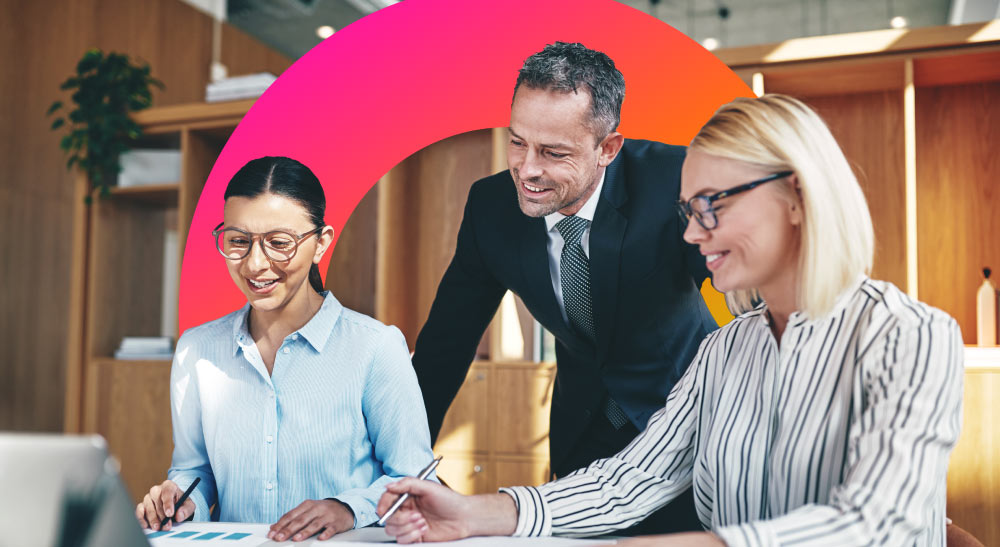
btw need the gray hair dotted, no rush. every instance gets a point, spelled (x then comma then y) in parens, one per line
(566, 67)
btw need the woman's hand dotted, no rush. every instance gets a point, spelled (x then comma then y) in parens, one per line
(437, 513)
(158, 504)
(327, 517)
(689, 539)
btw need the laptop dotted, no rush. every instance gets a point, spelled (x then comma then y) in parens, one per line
(63, 491)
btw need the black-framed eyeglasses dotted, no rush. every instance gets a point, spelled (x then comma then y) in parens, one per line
(278, 245)
(701, 208)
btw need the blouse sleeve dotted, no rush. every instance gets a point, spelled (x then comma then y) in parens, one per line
(396, 421)
(190, 458)
(898, 449)
(617, 492)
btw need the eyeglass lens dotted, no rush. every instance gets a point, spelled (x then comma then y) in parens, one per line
(235, 244)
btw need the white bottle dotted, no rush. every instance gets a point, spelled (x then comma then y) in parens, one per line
(986, 312)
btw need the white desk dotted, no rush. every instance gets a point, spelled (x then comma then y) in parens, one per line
(235, 534)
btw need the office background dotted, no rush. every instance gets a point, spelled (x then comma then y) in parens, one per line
(43, 40)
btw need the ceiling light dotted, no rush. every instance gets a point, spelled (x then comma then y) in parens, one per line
(898, 22)
(324, 32)
(710, 44)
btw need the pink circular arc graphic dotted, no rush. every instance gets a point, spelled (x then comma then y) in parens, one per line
(423, 70)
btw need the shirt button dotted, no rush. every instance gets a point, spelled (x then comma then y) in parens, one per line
(285, 350)
(269, 439)
(295, 337)
(269, 485)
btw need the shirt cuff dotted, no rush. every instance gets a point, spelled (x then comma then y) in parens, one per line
(202, 511)
(750, 534)
(533, 518)
(364, 511)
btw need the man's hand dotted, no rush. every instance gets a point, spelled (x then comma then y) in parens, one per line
(328, 517)
(437, 513)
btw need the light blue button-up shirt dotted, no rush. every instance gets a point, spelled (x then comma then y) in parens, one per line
(340, 416)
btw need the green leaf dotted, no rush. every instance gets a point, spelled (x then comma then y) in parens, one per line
(57, 123)
(55, 106)
(71, 161)
(90, 61)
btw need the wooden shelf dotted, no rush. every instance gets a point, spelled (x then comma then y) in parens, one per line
(917, 41)
(199, 114)
(957, 69)
(127, 263)
(153, 194)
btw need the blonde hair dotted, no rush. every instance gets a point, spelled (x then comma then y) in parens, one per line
(780, 133)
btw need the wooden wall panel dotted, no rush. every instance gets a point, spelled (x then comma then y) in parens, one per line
(42, 42)
(395, 299)
(424, 201)
(869, 128)
(958, 195)
(243, 54)
(351, 275)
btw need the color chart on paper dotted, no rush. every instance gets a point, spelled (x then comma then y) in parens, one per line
(237, 534)
(210, 533)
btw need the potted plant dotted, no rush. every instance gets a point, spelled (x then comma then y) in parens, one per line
(106, 88)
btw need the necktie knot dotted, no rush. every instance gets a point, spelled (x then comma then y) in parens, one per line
(571, 228)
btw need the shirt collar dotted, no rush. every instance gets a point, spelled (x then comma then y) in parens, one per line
(585, 212)
(316, 331)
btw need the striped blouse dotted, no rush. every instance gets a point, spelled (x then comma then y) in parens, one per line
(339, 417)
(840, 436)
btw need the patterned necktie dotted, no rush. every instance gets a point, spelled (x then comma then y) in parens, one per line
(574, 276)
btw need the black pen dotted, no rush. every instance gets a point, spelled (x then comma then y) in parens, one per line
(423, 475)
(181, 501)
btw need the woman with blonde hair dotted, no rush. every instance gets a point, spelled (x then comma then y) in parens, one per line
(823, 414)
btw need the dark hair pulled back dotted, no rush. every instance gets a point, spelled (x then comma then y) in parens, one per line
(287, 178)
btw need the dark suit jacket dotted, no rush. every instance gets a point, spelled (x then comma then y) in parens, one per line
(649, 315)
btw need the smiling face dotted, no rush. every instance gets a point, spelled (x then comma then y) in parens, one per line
(270, 285)
(756, 242)
(553, 155)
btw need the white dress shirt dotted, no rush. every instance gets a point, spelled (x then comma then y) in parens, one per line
(556, 242)
(839, 436)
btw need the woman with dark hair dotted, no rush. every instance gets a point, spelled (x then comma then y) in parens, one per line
(293, 406)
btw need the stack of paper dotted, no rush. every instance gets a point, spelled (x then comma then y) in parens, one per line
(239, 87)
(142, 167)
(145, 347)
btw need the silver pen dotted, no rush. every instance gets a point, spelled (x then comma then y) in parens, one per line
(423, 475)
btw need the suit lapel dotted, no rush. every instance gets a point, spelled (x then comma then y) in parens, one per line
(606, 236)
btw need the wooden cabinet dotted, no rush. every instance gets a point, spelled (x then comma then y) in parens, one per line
(974, 469)
(127, 257)
(496, 432)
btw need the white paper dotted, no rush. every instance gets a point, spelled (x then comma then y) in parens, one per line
(365, 536)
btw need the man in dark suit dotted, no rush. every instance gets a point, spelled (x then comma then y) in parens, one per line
(582, 227)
